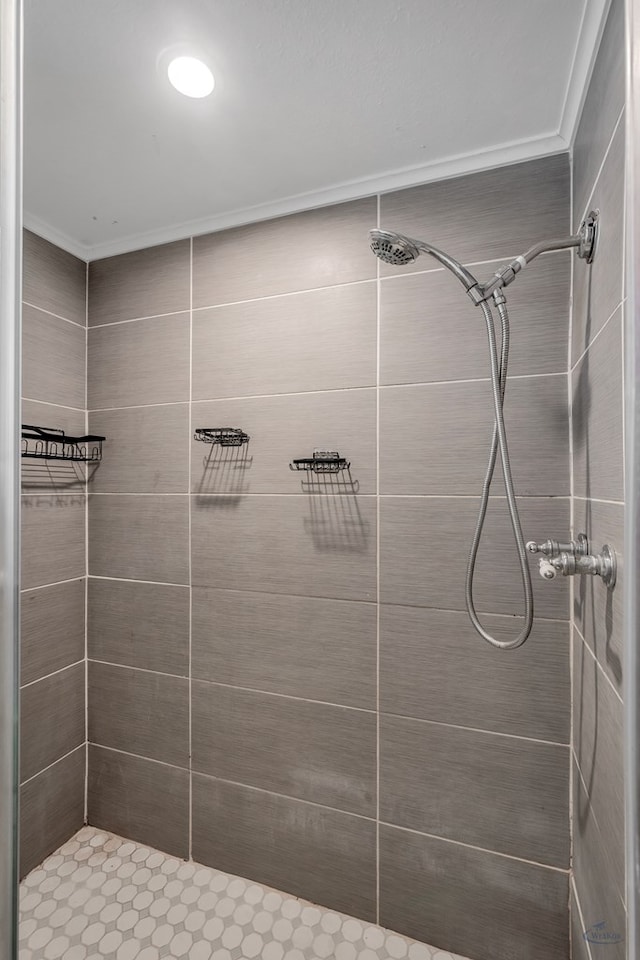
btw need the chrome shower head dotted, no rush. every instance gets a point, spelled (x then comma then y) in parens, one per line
(399, 251)
(393, 247)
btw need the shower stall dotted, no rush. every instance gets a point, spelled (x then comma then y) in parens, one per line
(321, 640)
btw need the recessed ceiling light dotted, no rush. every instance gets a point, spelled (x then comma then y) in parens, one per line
(191, 77)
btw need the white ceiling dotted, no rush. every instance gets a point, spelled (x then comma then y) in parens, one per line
(315, 101)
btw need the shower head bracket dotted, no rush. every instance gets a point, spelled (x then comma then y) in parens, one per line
(588, 236)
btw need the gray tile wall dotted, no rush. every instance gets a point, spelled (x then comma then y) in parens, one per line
(53, 728)
(596, 387)
(283, 681)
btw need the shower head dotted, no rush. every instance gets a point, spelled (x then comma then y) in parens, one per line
(393, 248)
(399, 251)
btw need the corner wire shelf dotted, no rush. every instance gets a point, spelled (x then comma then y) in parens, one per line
(322, 461)
(48, 443)
(223, 436)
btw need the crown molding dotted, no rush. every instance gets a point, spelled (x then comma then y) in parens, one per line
(594, 18)
(350, 190)
(58, 239)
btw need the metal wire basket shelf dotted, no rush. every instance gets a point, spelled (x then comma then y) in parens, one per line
(322, 461)
(224, 436)
(48, 443)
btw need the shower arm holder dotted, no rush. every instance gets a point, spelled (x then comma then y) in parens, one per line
(584, 243)
(574, 558)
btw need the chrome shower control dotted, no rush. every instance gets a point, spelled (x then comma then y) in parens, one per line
(601, 565)
(574, 558)
(551, 548)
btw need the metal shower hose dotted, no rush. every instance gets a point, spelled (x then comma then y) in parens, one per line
(499, 366)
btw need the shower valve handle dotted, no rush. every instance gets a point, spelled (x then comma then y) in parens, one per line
(553, 548)
(547, 569)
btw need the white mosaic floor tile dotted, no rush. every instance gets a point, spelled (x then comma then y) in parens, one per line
(101, 896)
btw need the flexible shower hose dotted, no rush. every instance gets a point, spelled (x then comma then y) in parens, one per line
(499, 366)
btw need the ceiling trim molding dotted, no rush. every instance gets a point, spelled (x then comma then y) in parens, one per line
(528, 149)
(47, 232)
(593, 21)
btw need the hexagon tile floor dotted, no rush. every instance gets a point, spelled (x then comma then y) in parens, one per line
(101, 896)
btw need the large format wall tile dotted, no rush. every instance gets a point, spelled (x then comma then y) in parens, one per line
(425, 544)
(597, 417)
(598, 611)
(320, 340)
(326, 856)
(53, 539)
(311, 751)
(140, 799)
(139, 537)
(599, 881)
(52, 713)
(298, 646)
(51, 629)
(317, 248)
(139, 712)
(604, 101)
(322, 546)
(434, 439)
(143, 362)
(496, 213)
(142, 625)
(483, 789)
(433, 665)
(470, 902)
(146, 449)
(51, 809)
(597, 288)
(144, 283)
(598, 745)
(53, 279)
(53, 359)
(430, 330)
(284, 428)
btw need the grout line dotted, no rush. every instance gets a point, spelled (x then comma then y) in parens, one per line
(605, 156)
(56, 583)
(190, 587)
(572, 886)
(156, 583)
(86, 553)
(335, 494)
(472, 846)
(597, 662)
(296, 293)
(616, 503)
(377, 601)
(597, 335)
(571, 516)
(153, 316)
(367, 387)
(338, 810)
(333, 704)
(46, 403)
(54, 673)
(80, 746)
(363, 600)
(58, 316)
